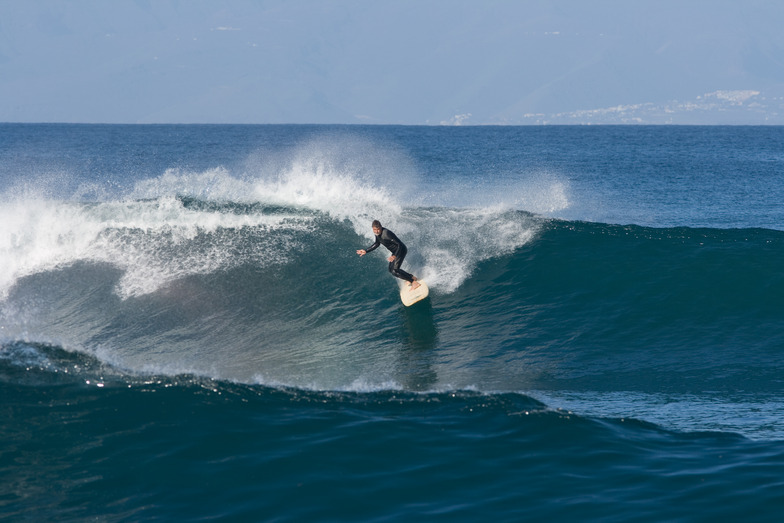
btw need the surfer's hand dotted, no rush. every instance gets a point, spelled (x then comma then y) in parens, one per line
(391, 258)
(362, 252)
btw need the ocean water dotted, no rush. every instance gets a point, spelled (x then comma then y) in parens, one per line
(186, 332)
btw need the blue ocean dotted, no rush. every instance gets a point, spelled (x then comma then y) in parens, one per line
(187, 332)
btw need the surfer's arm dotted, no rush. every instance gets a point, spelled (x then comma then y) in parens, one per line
(372, 247)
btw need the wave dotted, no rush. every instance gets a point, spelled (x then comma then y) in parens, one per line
(256, 281)
(178, 274)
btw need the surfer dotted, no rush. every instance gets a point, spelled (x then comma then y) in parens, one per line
(396, 247)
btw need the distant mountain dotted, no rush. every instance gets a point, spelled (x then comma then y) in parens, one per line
(740, 107)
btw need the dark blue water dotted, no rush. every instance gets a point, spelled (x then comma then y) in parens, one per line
(187, 333)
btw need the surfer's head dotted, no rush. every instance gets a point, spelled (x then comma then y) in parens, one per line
(376, 227)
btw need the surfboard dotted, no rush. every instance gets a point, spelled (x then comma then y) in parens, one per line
(410, 297)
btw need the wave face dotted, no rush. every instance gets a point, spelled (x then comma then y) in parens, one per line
(579, 300)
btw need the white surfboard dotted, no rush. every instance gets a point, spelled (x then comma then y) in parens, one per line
(410, 297)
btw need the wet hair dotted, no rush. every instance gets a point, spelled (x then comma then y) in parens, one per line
(376, 224)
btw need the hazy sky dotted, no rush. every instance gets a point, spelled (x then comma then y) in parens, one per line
(392, 61)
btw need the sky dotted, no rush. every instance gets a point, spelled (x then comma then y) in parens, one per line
(413, 62)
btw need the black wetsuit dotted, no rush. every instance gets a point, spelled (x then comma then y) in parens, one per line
(398, 249)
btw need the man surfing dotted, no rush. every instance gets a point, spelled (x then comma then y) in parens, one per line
(396, 247)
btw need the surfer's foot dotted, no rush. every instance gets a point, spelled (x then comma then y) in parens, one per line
(415, 284)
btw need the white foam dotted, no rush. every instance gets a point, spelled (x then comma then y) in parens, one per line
(154, 239)
(215, 184)
(345, 177)
(446, 245)
(153, 242)
(315, 185)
